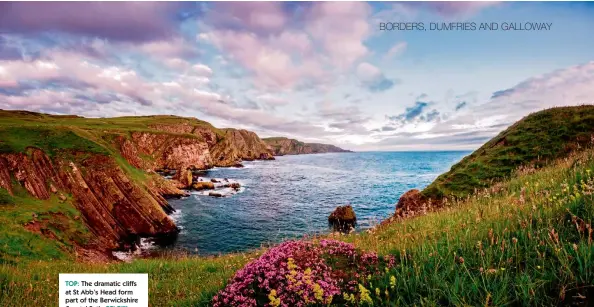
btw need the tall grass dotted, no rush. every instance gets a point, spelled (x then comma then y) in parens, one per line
(524, 242)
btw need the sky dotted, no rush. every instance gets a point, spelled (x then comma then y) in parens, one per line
(317, 71)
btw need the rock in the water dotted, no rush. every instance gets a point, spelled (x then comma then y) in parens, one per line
(410, 204)
(235, 186)
(203, 185)
(343, 218)
(184, 177)
(215, 194)
(238, 164)
(213, 180)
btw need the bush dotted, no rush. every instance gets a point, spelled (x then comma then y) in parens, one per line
(299, 273)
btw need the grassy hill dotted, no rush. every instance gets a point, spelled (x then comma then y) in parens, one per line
(525, 241)
(534, 141)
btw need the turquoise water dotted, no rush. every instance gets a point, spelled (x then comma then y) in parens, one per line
(293, 195)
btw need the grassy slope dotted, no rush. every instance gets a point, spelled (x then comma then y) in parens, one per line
(536, 139)
(537, 269)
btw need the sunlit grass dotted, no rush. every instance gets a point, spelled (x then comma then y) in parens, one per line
(527, 241)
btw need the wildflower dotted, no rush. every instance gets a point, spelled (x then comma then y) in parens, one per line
(502, 269)
(364, 295)
(274, 301)
(377, 292)
(538, 267)
(515, 240)
(349, 298)
(392, 281)
(318, 292)
(291, 264)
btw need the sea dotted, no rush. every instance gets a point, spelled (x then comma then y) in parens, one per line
(292, 197)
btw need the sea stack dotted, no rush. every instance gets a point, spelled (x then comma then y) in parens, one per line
(343, 218)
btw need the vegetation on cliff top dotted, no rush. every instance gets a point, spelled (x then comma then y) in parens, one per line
(534, 141)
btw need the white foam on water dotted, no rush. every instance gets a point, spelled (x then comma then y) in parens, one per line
(219, 187)
(127, 256)
(176, 217)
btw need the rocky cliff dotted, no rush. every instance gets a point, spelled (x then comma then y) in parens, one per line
(115, 208)
(284, 146)
(105, 167)
(184, 146)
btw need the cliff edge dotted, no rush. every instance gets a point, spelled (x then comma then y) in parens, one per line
(97, 176)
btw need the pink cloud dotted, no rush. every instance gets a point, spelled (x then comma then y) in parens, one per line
(173, 47)
(260, 17)
(326, 41)
(397, 49)
(124, 21)
(271, 65)
(454, 8)
(341, 28)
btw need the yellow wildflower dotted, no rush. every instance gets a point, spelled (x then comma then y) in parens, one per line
(364, 295)
(349, 298)
(392, 281)
(274, 301)
(318, 292)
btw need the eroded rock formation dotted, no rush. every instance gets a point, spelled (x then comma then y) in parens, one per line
(116, 209)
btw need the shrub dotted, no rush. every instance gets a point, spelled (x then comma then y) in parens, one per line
(300, 273)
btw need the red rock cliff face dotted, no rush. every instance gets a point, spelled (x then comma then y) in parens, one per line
(184, 146)
(115, 208)
(237, 145)
(164, 151)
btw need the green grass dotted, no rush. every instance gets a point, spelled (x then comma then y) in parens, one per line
(520, 261)
(537, 139)
(51, 141)
(55, 218)
(172, 282)
(518, 240)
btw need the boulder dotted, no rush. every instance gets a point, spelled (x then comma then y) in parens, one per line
(235, 186)
(215, 194)
(203, 185)
(184, 177)
(213, 180)
(410, 204)
(343, 218)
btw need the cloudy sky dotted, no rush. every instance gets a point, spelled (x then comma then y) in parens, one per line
(321, 72)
